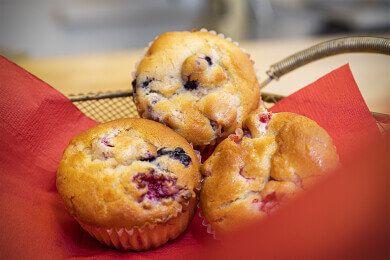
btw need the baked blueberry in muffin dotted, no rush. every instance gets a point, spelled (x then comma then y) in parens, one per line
(253, 171)
(131, 183)
(197, 83)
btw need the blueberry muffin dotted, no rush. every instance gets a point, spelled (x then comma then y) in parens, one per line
(253, 171)
(197, 83)
(131, 183)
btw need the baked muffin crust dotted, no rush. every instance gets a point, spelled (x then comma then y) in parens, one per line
(197, 83)
(127, 173)
(251, 173)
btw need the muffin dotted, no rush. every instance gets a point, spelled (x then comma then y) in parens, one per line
(197, 83)
(251, 173)
(130, 183)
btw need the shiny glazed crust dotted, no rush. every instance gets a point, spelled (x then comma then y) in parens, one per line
(250, 174)
(127, 173)
(197, 83)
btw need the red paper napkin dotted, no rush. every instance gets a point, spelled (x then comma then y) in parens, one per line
(36, 124)
(335, 103)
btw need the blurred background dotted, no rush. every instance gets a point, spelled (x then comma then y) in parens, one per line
(60, 27)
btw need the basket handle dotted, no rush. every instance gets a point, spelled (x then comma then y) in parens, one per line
(326, 49)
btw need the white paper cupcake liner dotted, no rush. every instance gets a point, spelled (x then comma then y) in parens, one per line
(206, 224)
(147, 237)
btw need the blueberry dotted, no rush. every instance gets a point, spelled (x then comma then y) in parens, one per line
(146, 82)
(181, 155)
(150, 158)
(134, 84)
(178, 154)
(158, 186)
(134, 93)
(106, 142)
(191, 85)
(209, 61)
(163, 151)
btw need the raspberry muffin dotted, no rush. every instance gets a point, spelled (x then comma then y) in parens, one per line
(131, 183)
(197, 83)
(253, 171)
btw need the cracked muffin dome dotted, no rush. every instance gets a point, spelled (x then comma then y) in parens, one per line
(253, 171)
(131, 183)
(197, 83)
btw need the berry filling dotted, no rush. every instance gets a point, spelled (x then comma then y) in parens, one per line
(146, 82)
(150, 158)
(158, 186)
(134, 83)
(209, 61)
(191, 84)
(235, 138)
(102, 147)
(178, 154)
(153, 98)
(269, 203)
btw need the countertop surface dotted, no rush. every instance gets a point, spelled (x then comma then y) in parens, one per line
(111, 71)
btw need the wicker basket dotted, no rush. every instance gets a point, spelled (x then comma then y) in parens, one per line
(104, 107)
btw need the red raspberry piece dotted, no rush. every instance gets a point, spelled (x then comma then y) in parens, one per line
(265, 118)
(235, 138)
(269, 203)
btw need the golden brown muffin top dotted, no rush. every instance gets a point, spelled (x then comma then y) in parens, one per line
(197, 83)
(251, 173)
(126, 173)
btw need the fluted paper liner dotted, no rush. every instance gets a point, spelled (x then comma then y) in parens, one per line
(149, 236)
(206, 224)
